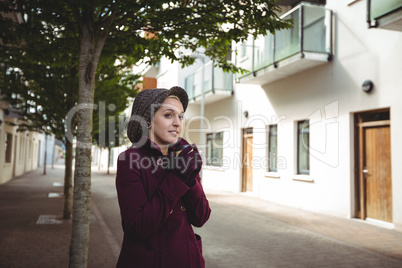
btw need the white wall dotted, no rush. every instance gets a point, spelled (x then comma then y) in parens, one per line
(7, 168)
(168, 74)
(100, 158)
(24, 154)
(41, 149)
(327, 95)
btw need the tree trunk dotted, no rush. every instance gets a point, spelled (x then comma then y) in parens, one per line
(44, 165)
(108, 159)
(68, 183)
(90, 49)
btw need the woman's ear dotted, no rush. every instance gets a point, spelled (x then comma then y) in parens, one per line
(149, 125)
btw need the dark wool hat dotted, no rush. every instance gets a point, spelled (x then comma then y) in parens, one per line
(146, 103)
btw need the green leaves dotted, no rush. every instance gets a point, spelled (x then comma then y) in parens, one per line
(47, 34)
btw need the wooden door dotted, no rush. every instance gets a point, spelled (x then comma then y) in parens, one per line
(377, 173)
(373, 166)
(247, 168)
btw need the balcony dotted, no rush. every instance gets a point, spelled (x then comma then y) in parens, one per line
(217, 84)
(385, 14)
(272, 57)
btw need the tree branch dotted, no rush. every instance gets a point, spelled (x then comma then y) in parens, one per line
(74, 11)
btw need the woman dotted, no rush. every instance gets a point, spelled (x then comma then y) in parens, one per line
(158, 186)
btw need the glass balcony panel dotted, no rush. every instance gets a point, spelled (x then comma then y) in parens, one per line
(379, 8)
(263, 51)
(287, 42)
(314, 29)
(310, 44)
(245, 55)
(198, 81)
(189, 86)
(222, 81)
(208, 77)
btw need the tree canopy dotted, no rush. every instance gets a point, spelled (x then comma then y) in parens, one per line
(149, 30)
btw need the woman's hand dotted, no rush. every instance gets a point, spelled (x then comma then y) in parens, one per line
(187, 165)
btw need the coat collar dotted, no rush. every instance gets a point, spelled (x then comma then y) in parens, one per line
(149, 144)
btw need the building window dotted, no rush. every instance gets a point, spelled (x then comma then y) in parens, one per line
(303, 143)
(9, 147)
(214, 149)
(273, 148)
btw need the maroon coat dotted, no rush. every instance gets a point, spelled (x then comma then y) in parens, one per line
(157, 210)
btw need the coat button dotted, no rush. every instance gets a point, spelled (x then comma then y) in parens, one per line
(183, 208)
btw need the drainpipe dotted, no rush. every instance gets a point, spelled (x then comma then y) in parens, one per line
(301, 32)
(274, 49)
(252, 58)
(213, 77)
(202, 143)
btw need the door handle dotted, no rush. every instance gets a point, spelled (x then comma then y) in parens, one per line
(365, 174)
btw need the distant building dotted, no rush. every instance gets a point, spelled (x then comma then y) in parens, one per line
(20, 151)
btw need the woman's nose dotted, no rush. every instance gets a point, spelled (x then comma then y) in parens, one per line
(177, 122)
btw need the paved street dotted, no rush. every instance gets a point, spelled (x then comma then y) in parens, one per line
(242, 231)
(238, 236)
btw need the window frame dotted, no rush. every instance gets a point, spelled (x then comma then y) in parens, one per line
(269, 147)
(8, 150)
(300, 133)
(211, 147)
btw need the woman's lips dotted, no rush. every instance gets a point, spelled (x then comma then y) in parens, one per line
(173, 132)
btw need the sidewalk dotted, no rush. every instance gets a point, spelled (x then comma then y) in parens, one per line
(32, 231)
(278, 236)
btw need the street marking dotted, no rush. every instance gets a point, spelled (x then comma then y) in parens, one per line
(55, 195)
(48, 219)
(92, 218)
(52, 219)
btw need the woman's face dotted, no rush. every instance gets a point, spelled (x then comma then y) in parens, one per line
(167, 122)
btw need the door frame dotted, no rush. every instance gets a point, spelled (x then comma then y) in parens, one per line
(243, 172)
(359, 181)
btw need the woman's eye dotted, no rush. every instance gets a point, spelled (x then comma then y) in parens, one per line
(168, 115)
(181, 117)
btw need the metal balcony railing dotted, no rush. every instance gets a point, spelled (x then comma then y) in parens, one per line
(378, 9)
(210, 79)
(311, 33)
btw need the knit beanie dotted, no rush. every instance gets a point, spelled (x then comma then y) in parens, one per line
(146, 103)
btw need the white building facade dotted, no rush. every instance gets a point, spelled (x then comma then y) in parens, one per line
(316, 123)
(21, 151)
